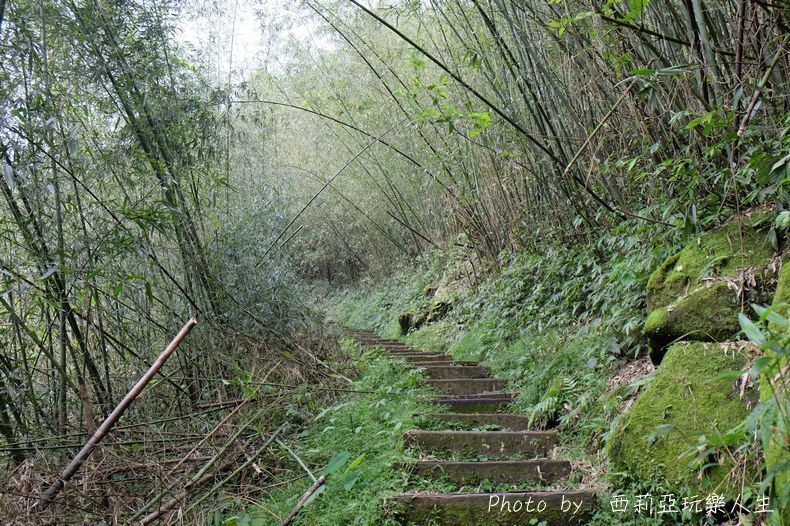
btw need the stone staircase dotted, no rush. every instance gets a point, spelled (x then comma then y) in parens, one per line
(507, 452)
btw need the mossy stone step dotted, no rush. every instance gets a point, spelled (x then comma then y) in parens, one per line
(485, 403)
(418, 355)
(441, 363)
(393, 348)
(467, 386)
(417, 362)
(505, 421)
(414, 352)
(543, 471)
(456, 371)
(484, 443)
(555, 508)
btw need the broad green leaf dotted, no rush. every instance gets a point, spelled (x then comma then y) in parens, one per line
(659, 432)
(340, 459)
(751, 330)
(357, 461)
(351, 479)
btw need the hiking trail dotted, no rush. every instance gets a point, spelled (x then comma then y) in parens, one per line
(496, 446)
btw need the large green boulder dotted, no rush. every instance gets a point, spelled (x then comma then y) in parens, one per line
(687, 398)
(698, 293)
(781, 302)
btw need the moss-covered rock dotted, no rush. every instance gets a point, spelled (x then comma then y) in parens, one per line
(688, 295)
(438, 302)
(683, 401)
(781, 301)
(707, 313)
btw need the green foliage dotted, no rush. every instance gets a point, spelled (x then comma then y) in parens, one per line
(555, 324)
(768, 424)
(599, 285)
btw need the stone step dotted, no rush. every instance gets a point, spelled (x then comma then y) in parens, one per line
(467, 386)
(415, 358)
(554, 508)
(446, 363)
(505, 421)
(440, 363)
(419, 354)
(456, 371)
(483, 443)
(474, 405)
(542, 471)
(397, 350)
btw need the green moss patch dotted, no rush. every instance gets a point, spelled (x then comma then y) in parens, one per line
(721, 252)
(684, 400)
(781, 301)
(708, 313)
(688, 297)
(775, 450)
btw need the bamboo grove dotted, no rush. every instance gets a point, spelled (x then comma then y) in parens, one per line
(519, 117)
(112, 239)
(141, 186)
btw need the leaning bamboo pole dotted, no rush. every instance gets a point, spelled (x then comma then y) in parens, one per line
(73, 466)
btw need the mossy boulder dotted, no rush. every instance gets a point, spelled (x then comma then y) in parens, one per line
(412, 321)
(697, 293)
(707, 313)
(683, 401)
(781, 301)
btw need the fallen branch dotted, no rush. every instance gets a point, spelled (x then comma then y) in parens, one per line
(197, 478)
(69, 471)
(195, 482)
(290, 517)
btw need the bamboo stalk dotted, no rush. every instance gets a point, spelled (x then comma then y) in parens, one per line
(759, 89)
(69, 471)
(292, 514)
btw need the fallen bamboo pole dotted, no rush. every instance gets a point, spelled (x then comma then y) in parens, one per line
(290, 517)
(69, 471)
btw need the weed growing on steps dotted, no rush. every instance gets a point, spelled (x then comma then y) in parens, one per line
(358, 440)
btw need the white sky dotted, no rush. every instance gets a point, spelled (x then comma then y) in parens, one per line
(207, 26)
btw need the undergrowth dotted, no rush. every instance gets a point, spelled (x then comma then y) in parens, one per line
(563, 326)
(355, 442)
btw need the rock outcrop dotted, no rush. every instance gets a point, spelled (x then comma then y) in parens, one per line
(689, 397)
(698, 293)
